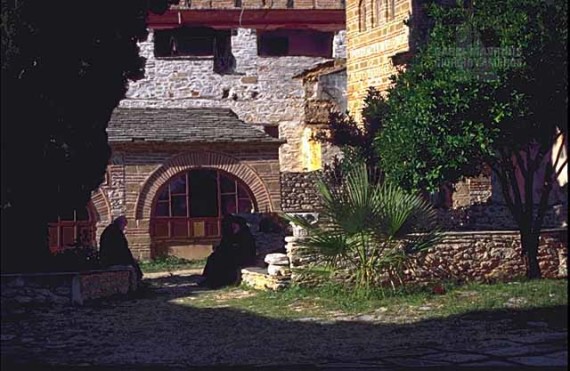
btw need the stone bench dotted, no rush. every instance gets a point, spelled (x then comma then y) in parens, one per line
(67, 287)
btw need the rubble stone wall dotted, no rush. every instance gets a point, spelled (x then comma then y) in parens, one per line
(66, 287)
(466, 256)
(261, 90)
(298, 191)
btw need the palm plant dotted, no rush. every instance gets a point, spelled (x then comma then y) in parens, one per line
(371, 226)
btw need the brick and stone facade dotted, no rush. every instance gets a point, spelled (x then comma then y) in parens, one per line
(375, 34)
(260, 90)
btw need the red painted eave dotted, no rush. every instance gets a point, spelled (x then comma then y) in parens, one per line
(322, 19)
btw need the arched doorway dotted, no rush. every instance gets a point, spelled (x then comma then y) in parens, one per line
(67, 228)
(190, 205)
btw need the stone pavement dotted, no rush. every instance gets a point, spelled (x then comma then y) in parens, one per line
(154, 331)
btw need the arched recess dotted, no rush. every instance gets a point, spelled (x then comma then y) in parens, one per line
(192, 160)
(102, 207)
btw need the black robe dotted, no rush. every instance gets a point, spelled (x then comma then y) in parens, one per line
(114, 249)
(235, 251)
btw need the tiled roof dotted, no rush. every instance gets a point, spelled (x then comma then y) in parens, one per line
(197, 125)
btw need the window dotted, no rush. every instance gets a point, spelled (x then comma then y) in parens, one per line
(192, 204)
(378, 13)
(184, 42)
(362, 15)
(68, 227)
(196, 42)
(390, 9)
(295, 43)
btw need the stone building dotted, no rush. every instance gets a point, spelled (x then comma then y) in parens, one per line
(222, 116)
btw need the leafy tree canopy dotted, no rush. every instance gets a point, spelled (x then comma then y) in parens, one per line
(491, 82)
(65, 67)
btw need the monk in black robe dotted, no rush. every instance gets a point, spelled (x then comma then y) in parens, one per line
(245, 243)
(114, 248)
(235, 251)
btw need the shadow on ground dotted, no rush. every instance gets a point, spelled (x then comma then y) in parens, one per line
(155, 330)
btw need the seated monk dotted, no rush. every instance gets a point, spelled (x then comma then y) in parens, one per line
(245, 243)
(114, 248)
(236, 250)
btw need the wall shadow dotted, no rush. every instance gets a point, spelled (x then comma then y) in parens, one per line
(160, 329)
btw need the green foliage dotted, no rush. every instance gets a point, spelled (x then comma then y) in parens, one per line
(356, 141)
(371, 227)
(448, 116)
(170, 263)
(490, 87)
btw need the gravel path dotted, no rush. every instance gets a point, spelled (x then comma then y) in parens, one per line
(153, 330)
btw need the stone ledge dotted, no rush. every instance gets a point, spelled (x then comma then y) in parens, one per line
(66, 287)
(259, 279)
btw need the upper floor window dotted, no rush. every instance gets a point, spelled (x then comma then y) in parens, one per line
(307, 43)
(184, 42)
(196, 42)
(378, 12)
(362, 15)
(390, 9)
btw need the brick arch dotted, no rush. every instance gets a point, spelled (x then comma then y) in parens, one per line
(102, 207)
(194, 160)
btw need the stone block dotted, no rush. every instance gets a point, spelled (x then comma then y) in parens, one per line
(278, 270)
(249, 80)
(277, 259)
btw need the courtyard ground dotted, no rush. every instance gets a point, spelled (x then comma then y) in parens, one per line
(177, 325)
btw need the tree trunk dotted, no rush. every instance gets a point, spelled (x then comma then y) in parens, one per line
(529, 246)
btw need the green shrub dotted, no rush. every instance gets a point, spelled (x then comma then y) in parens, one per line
(370, 227)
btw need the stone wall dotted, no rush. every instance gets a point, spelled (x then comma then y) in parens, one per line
(261, 90)
(464, 256)
(490, 256)
(495, 217)
(66, 287)
(298, 192)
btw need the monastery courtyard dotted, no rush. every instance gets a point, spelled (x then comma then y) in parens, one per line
(161, 329)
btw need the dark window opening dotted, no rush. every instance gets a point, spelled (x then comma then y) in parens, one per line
(290, 3)
(224, 60)
(272, 130)
(295, 43)
(184, 42)
(197, 42)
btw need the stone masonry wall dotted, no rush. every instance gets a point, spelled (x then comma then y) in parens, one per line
(489, 256)
(298, 192)
(65, 287)
(260, 91)
(464, 256)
